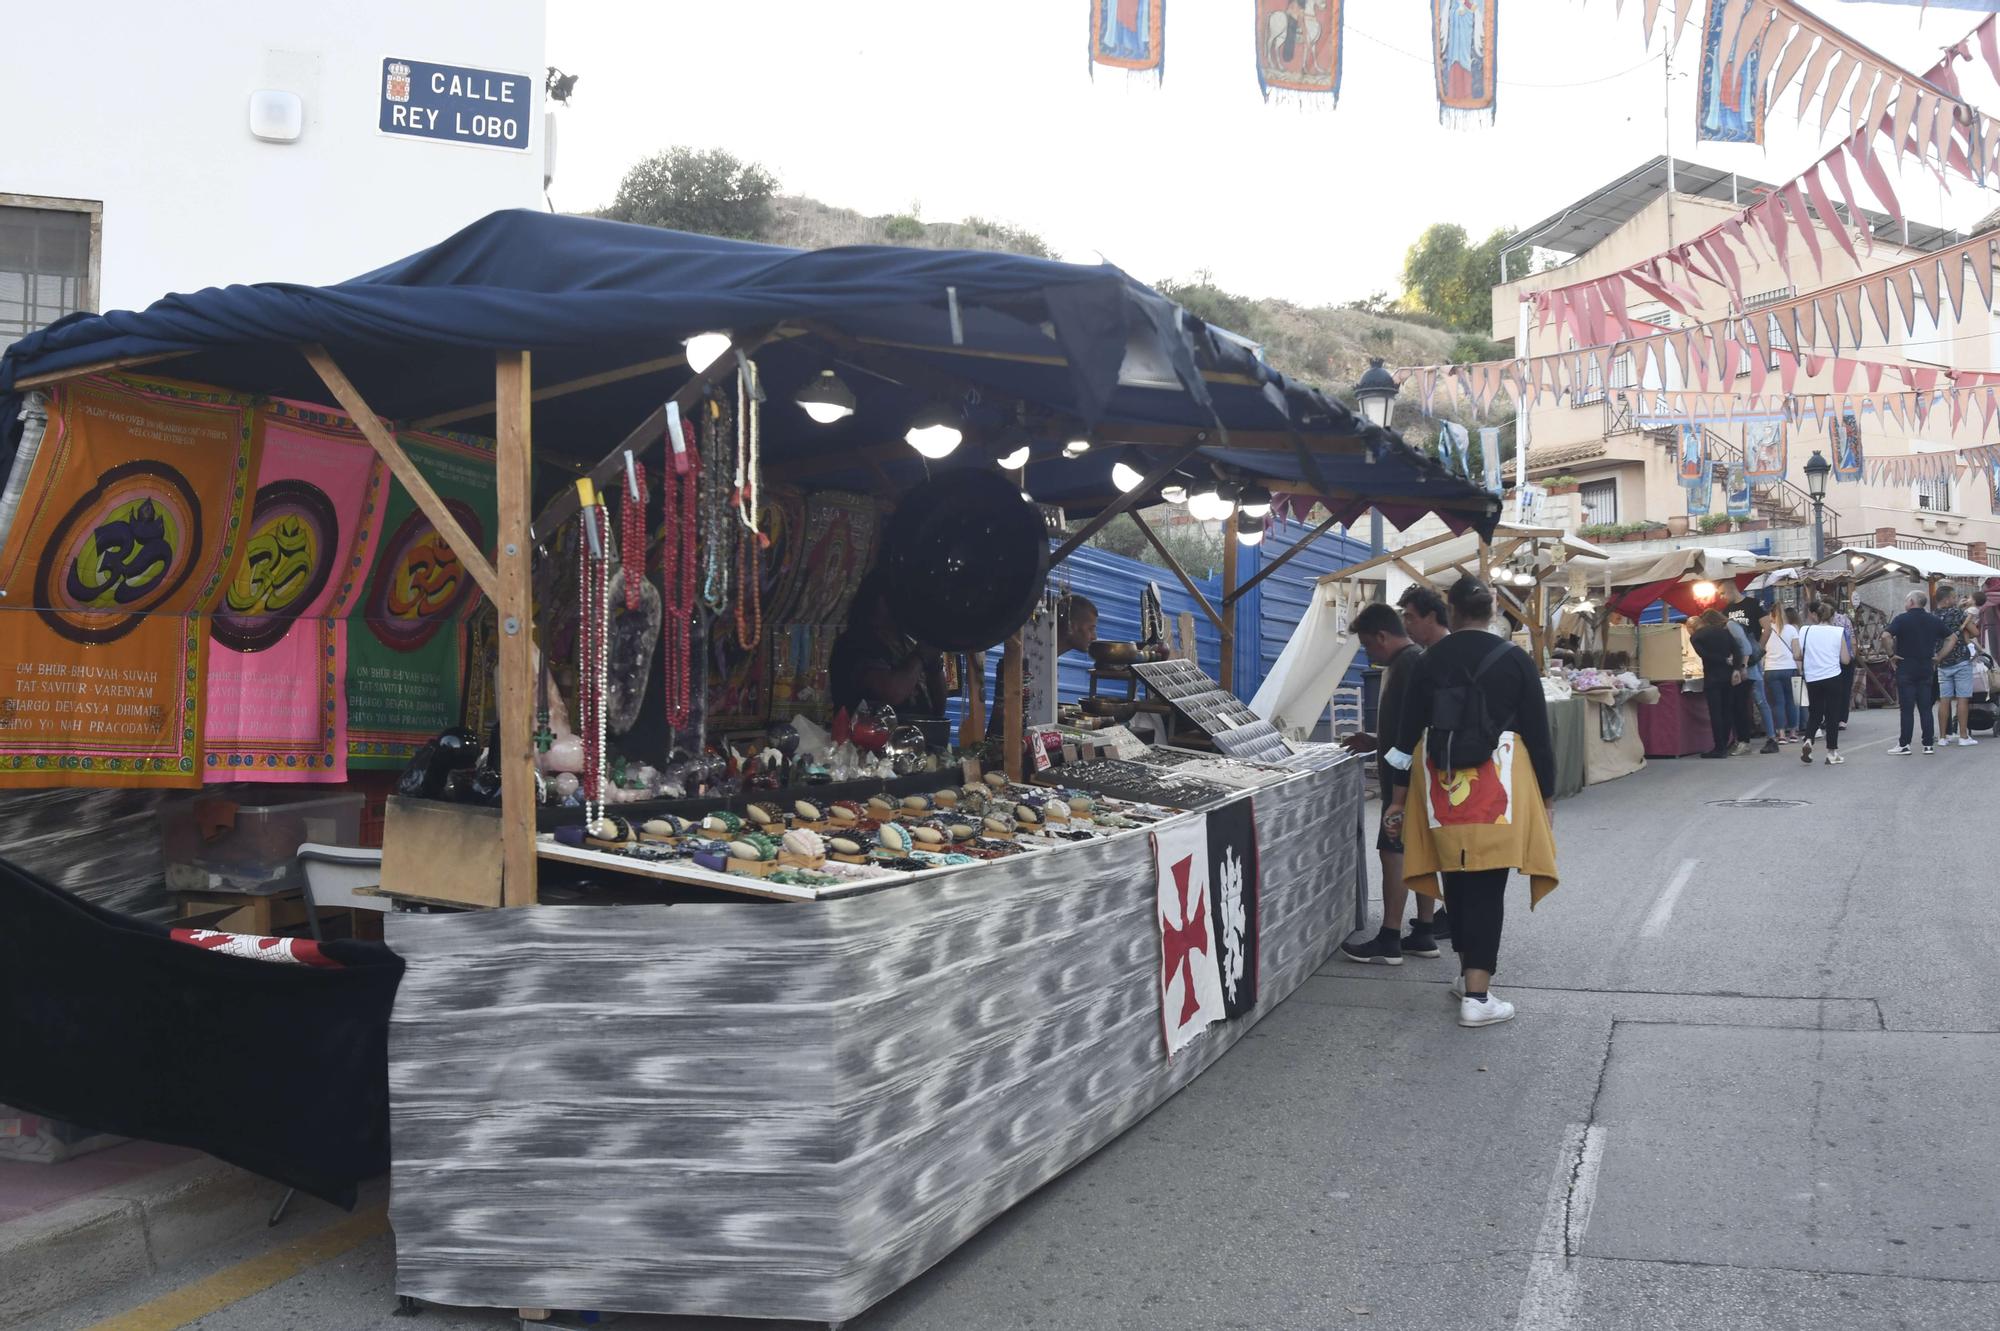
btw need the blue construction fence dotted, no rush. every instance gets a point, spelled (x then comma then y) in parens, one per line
(1264, 619)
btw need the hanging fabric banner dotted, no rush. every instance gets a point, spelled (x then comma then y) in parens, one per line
(1298, 49)
(1698, 497)
(1993, 486)
(1489, 456)
(1847, 456)
(1693, 455)
(1191, 992)
(405, 655)
(1130, 35)
(1737, 491)
(1462, 39)
(1732, 75)
(1455, 448)
(277, 696)
(1764, 450)
(130, 524)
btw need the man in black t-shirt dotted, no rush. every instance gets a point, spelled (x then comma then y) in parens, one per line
(1913, 639)
(1379, 630)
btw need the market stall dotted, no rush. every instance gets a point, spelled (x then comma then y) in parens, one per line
(834, 988)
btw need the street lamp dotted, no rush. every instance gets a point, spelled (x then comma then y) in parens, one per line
(1376, 392)
(1817, 470)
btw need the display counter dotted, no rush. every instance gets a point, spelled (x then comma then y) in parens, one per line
(755, 1109)
(1677, 726)
(1569, 723)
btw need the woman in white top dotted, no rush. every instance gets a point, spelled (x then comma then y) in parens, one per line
(1781, 668)
(1824, 654)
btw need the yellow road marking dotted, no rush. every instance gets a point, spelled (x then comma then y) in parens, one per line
(234, 1284)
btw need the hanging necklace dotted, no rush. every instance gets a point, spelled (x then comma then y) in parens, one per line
(593, 657)
(749, 464)
(632, 534)
(718, 524)
(677, 573)
(749, 591)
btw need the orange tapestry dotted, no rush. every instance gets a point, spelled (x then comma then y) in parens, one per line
(129, 527)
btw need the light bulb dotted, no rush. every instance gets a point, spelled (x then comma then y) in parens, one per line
(1207, 506)
(1076, 448)
(703, 349)
(1250, 537)
(934, 441)
(1704, 592)
(1256, 501)
(1125, 478)
(1249, 530)
(1015, 460)
(1173, 494)
(827, 398)
(826, 413)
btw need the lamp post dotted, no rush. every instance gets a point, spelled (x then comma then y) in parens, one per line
(1376, 393)
(1817, 470)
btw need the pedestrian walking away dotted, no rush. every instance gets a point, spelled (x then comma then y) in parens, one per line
(1473, 744)
(1913, 640)
(1379, 630)
(1721, 671)
(1750, 684)
(1781, 670)
(1954, 667)
(1826, 656)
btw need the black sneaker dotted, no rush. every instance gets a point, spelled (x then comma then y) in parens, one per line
(1420, 942)
(1384, 949)
(1441, 926)
(1770, 746)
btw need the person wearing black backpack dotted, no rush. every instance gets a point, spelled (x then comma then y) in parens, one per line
(1474, 707)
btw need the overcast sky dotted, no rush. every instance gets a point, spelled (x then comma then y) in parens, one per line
(990, 110)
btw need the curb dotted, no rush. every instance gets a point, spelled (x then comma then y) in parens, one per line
(125, 1232)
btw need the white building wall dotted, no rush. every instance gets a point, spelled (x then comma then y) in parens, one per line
(145, 108)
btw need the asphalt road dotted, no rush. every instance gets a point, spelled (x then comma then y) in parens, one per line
(1750, 1086)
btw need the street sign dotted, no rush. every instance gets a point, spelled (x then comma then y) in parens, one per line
(490, 108)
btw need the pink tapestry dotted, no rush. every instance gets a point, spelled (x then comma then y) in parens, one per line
(277, 697)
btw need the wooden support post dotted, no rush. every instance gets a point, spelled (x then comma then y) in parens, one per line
(1228, 626)
(1174, 566)
(379, 437)
(1010, 704)
(513, 486)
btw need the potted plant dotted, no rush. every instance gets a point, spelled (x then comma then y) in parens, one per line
(1562, 485)
(1752, 524)
(1712, 523)
(1598, 531)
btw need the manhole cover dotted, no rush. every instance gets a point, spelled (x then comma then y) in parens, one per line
(1765, 803)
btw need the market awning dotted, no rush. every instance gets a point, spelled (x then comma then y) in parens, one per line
(1867, 563)
(1639, 581)
(1022, 350)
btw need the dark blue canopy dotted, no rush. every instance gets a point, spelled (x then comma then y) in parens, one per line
(1025, 350)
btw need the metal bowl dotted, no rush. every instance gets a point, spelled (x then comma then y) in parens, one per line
(1106, 653)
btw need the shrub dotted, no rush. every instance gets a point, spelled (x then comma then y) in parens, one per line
(903, 229)
(709, 192)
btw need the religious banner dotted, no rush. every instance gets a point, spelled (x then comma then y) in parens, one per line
(1129, 34)
(1693, 455)
(1191, 997)
(1699, 497)
(1847, 456)
(130, 523)
(1731, 105)
(1462, 39)
(1455, 448)
(1993, 486)
(277, 696)
(1232, 859)
(1764, 450)
(406, 626)
(1736, 491)
(1298, 49)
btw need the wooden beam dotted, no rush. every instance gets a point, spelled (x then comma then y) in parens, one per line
(1413, 572)
(558, 510)
(99, 367)
(553, 391)
(1388, 557)
(1174, 566)
(1231, 598)
(1010, 706)
(384, 443)
(513, 475)
(1129, 498)
(1227, 622)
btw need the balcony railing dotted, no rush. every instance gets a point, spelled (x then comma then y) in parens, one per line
(1778, 501)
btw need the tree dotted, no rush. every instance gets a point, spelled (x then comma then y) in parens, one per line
(709, 192)
(1446, 275)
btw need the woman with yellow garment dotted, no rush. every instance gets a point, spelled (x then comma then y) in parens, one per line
(1473, 824)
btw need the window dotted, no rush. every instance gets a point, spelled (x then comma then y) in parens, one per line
(47, 262)
(1771, 336)
(1600, 503)
(1934, 496)
(1927, 341)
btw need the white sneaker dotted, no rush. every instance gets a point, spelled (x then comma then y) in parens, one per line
(1965, 740)
(1489, 1012)
(1901, 751)
(1834, 760)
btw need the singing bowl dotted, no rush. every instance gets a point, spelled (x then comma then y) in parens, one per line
(1107, 653)
(967, 558)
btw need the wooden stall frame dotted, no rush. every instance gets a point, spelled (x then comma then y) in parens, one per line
(514, 488)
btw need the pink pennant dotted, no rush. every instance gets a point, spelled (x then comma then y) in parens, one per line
(1872, 372)
(1795, 200)
(1788, 371)
(1843, 375)
(1878, 181)
(1836, 162)
(1989, 46)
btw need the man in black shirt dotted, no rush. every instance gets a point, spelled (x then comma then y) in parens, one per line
(1513, 698)
(1913, 639)
(1379, 630)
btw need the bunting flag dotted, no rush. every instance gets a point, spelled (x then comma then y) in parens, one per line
(1731, 106)
(1847, 458)
(1737, 491)
(1764, 451)
(1129, 35)
(1298, 50)
(1467, 57)
(1694, 458)
(130, 525)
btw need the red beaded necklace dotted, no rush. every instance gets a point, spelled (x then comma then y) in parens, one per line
(677, 573)
(632, 535)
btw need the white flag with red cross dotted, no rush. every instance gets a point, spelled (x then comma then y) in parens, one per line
(1190, 981)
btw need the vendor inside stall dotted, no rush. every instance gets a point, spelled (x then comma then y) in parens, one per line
(875, 662)
(1076, 629)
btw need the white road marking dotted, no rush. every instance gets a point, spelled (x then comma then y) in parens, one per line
(1549, 1297)
(1755, 791)
(1663, 909)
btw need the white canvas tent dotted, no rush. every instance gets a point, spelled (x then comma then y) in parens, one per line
(1867, 563)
